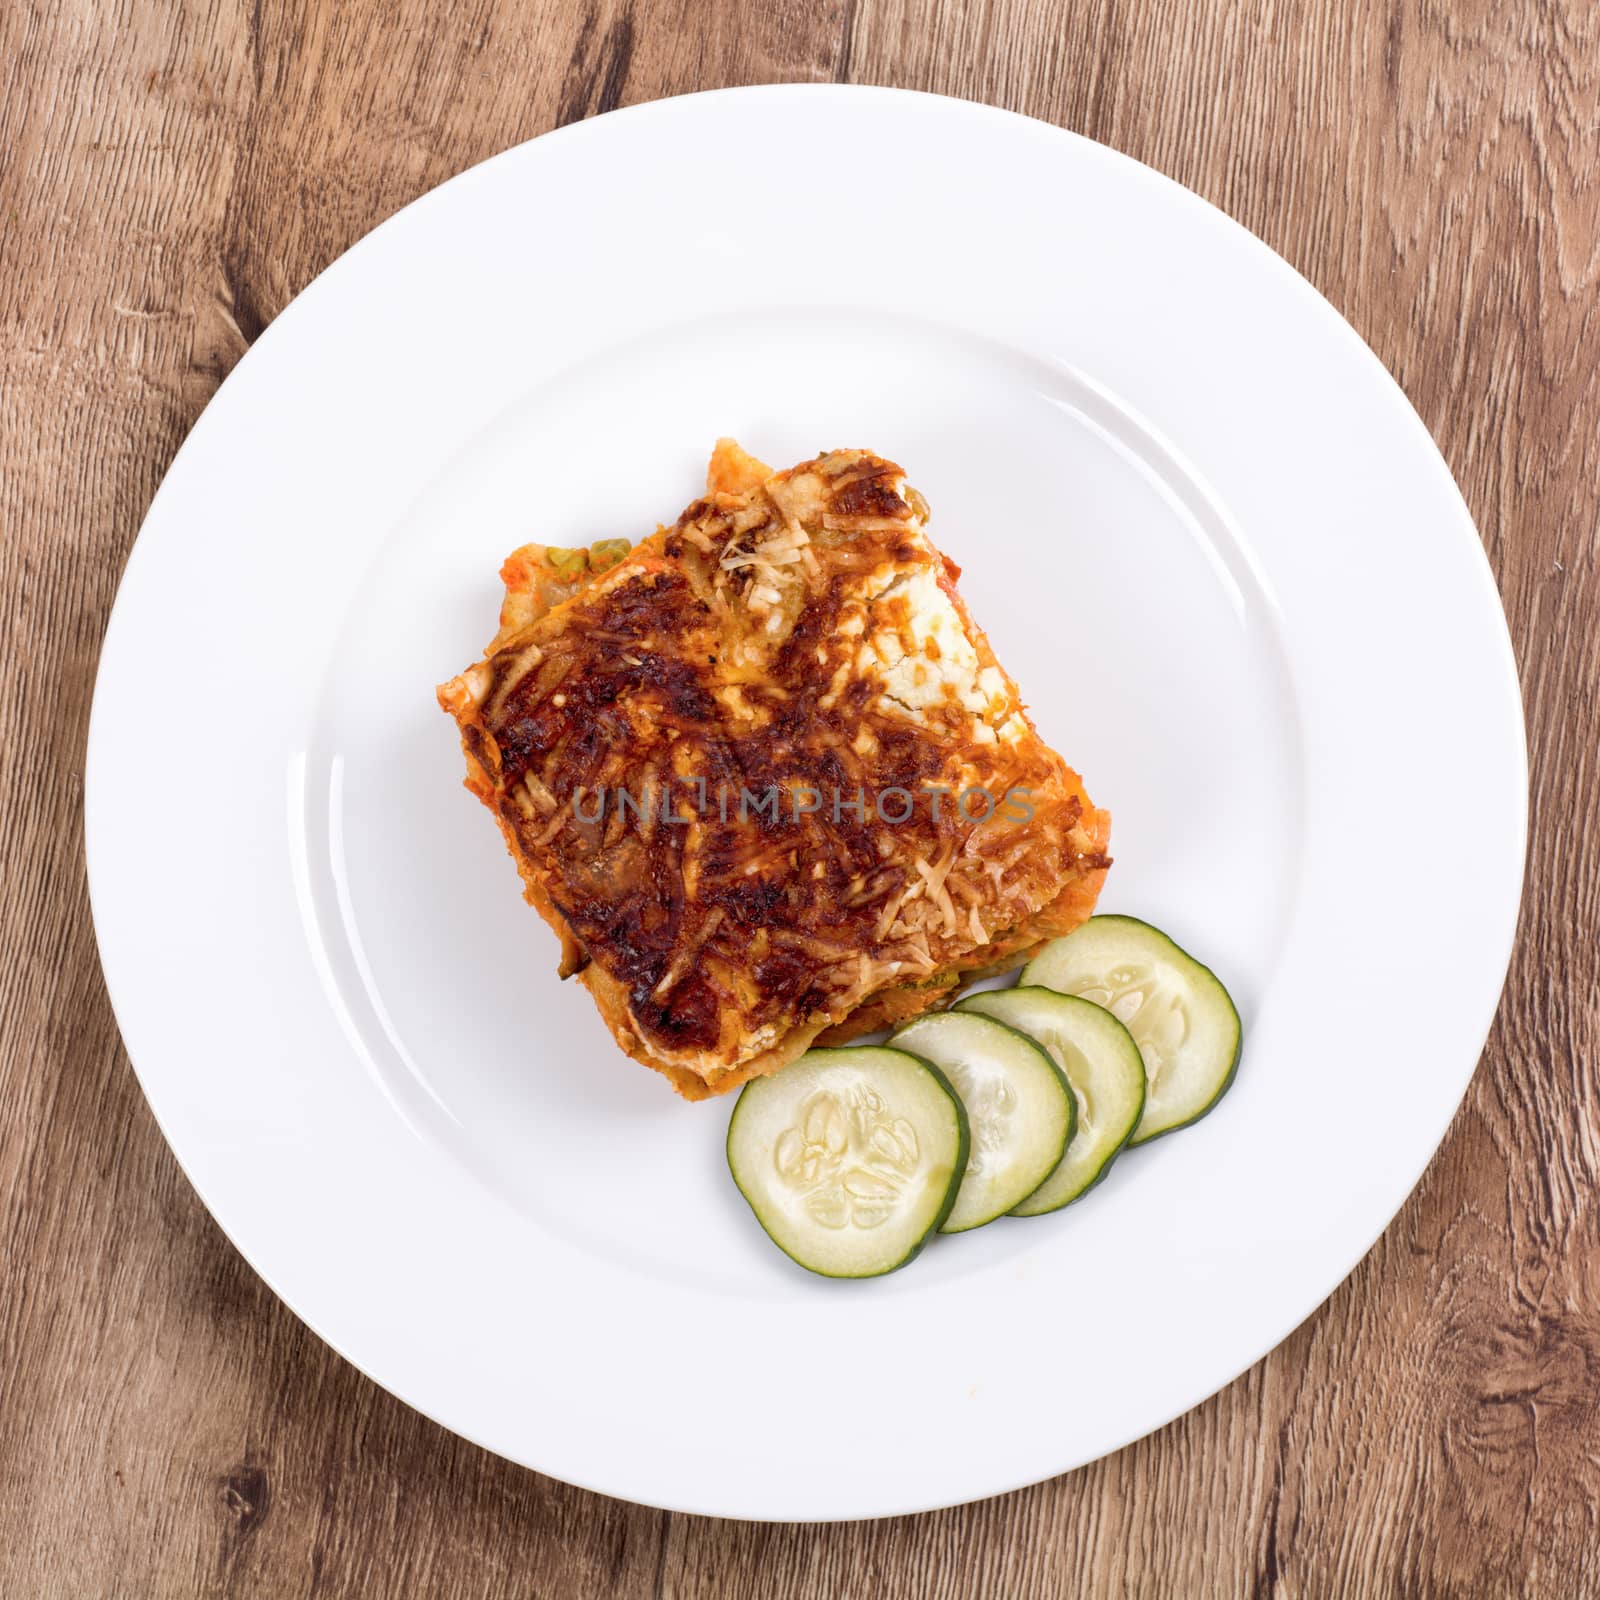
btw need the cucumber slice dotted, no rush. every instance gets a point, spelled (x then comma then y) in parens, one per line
(1180, 1016)
(1101, 1062)
(849, 1158)
(1020, 1106)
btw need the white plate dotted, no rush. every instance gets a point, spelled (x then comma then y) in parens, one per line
(1205, 532)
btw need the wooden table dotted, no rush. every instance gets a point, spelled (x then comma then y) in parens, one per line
(170, 176)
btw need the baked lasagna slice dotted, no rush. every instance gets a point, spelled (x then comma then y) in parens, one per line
(763, 775)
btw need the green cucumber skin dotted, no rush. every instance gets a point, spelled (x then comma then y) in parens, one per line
(1112, 1154)
(1122, 1144)
(1127, 1138)
(1094, 1183)
(963, 1154)
(1072, 1119)
(958, 1171)
(1238, 1025)
(1238, 1038)
(1211, 1104)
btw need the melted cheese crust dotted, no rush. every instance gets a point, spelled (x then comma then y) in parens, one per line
(794, 634)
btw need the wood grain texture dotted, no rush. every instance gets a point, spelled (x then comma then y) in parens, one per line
(170, 176)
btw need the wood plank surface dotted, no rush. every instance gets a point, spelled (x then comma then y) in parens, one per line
(171, 174)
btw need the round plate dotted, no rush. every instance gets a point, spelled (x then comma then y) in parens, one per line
(1204, 531)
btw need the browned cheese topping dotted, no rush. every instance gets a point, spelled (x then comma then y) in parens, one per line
(764, 769)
